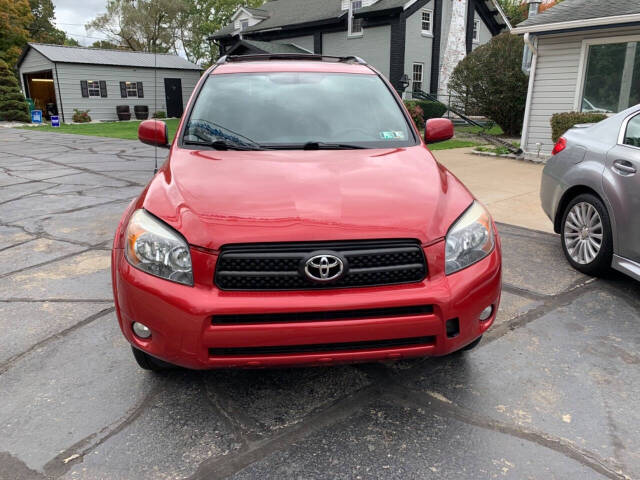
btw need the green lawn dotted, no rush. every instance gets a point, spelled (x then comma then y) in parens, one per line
(129, 130)
(126, 130)
(495, 130)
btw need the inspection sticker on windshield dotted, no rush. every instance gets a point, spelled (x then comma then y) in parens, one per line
(392, 135)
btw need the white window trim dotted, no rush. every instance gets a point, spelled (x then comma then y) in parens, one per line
(476, 38)
(127, 88)
(89, 89)
(350, 34)
(413, 75)
(427, 33)
(244, 20)
(582, 68)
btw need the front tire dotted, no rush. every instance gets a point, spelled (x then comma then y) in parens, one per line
(587, 241)
(147, 362)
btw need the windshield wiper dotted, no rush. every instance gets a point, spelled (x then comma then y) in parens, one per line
(223, 145)
(330, 146)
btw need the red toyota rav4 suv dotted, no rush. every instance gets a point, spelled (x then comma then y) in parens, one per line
(300, 219)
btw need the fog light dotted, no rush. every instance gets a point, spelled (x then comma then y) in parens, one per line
(486, 313)
(141, 330)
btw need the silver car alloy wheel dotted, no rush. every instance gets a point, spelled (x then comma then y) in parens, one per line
(583, 233)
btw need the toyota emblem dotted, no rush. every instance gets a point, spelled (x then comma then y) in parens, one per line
(324, 267)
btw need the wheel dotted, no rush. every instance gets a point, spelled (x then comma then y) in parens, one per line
(586, 235)
(147, 362)
(472, 345)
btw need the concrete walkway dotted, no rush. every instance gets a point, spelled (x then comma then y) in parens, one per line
(509, 188)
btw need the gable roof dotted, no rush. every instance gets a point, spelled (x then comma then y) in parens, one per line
(582, 13)
(285, 13)
(268, 47)
(96, 56)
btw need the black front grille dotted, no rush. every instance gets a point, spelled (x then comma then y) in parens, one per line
(322, 315)
(280, 266)
(322, 347)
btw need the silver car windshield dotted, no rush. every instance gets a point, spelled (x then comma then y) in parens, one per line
(297, 109)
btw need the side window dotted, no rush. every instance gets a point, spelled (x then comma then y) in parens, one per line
(244, 24)
(632, 135)
(355, 24)
(94, 88)
(131, 89)
(417, 76)
(476, 31)
(426, 22)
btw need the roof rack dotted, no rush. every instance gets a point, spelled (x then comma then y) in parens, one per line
(289, 56)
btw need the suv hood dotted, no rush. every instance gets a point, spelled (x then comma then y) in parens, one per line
(222, 197)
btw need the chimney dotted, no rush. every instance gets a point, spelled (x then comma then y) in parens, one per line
(534, 7)
(527, 55)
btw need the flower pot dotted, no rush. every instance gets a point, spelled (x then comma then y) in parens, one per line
(141, 111)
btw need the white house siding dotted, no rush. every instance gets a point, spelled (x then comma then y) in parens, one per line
(36, 62)
(556, 82)
(305, 42)
(418, 47)
(373, 46)
(70, 75)
(485, 33)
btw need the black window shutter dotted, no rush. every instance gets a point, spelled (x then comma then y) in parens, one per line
(123, 89)
(84, 88)
(103, 89)
(140, 90)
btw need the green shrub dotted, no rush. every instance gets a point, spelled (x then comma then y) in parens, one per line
(81, 116)
(492, 83)
(160, 114)
(13, 105)
(561, 122)
(416, 113)
(429, 110)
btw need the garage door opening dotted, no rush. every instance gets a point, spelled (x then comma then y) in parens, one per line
(40, 88)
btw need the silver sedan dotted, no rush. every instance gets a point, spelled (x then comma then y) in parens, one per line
(591, 191)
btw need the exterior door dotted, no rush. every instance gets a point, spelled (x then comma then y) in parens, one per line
(621, 182)
(173, 97)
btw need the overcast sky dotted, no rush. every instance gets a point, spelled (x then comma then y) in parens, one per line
(72, 15)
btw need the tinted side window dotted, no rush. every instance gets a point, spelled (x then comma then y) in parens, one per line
(632, 135)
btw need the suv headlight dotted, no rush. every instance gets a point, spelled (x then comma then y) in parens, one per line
(155, 248)
(469, 240)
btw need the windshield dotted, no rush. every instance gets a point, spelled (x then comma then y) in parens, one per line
(297, 110)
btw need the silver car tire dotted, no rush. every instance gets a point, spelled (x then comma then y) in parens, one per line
(586, 235)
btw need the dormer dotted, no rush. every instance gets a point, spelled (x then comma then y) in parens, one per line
(365, 3)
(247, 17)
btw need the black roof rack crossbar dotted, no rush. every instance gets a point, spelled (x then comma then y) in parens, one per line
(289, 56)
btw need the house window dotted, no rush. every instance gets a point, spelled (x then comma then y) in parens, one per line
(355, 24)
(94, 88)
(611, 77)
(476, 31)
(132, 89)
(426, 22)
(244, 24)
(417, 76)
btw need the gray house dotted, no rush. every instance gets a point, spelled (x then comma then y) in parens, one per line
(99, 80)
(586, 57)
(424, 39)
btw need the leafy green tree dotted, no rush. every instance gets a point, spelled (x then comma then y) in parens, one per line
(42, 29)
(107, 45)
(515, 10)
(491, 81)
(198, 20)
(13, 106)
(15, 18)
(141, 25)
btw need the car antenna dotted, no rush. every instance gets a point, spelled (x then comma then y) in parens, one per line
(155, 102)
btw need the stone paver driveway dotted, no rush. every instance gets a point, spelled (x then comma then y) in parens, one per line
(552, 392)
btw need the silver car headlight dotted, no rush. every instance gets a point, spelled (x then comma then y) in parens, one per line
(469, 240)
(155, 248)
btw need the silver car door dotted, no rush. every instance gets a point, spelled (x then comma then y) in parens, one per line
(621, 184)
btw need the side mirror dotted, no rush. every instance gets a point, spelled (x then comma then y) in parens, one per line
(154, 132)
(438, 130)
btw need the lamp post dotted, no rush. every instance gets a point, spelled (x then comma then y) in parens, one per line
(404, 83)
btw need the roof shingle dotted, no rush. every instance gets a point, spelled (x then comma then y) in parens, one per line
(64, 54)
(571, 10)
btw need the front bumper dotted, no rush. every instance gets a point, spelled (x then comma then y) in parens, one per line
(183, 333)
